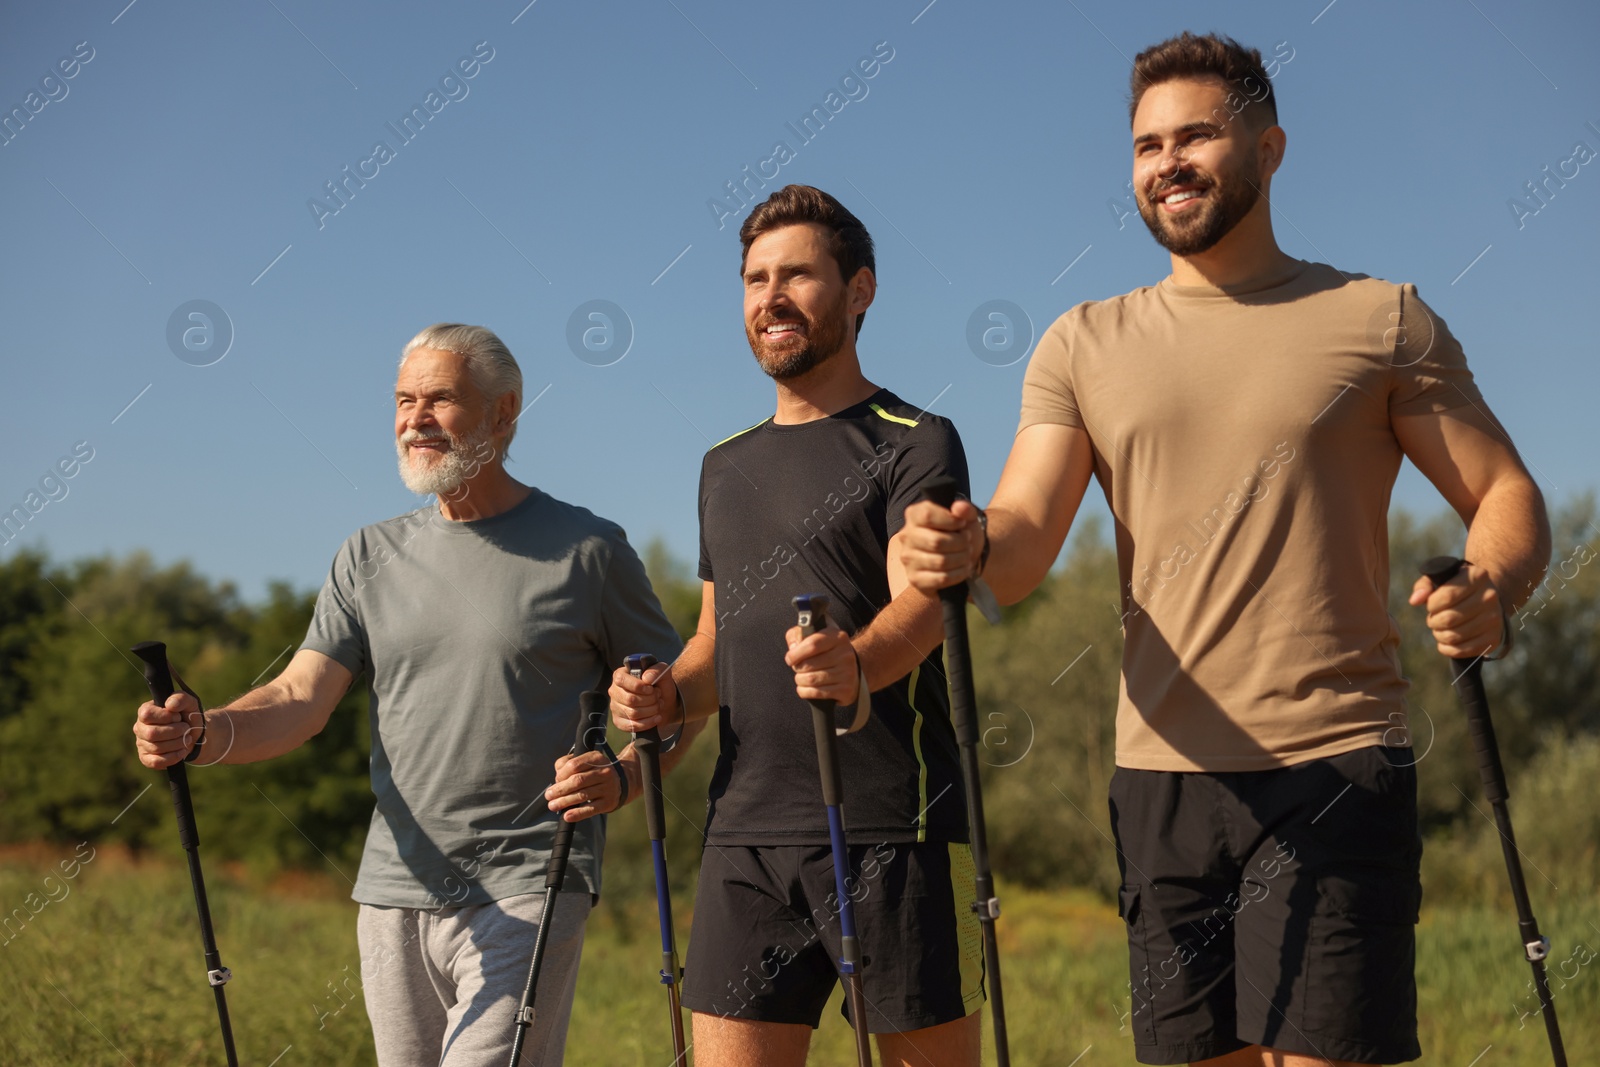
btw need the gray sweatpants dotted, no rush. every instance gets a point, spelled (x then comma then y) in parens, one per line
(442, 986)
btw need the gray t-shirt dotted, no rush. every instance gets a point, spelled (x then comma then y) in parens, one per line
(476, 639)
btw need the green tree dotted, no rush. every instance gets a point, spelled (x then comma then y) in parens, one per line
(69, 768)
(1047, 681)
(27, 605)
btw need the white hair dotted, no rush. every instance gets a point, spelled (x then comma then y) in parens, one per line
(490, 364)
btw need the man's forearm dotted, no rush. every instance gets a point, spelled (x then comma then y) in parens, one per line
(694, 674)
(629, 757)
(1020, 554)
(259, 725)
(902, 636)
(1510, 537)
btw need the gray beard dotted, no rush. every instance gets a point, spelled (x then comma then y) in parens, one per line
(448, 472)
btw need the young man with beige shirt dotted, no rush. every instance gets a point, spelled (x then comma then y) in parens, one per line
(1246, 418)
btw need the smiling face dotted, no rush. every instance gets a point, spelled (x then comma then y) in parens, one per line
(442, 425)
(798, 310)
(1196, 166)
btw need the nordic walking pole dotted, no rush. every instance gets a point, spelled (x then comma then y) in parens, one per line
(1467, 676)
(813, 617)
(647, 744)
(158, 676)
(592, 709)
(964, 717)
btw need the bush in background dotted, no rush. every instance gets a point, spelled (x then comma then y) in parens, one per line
(1047, 682)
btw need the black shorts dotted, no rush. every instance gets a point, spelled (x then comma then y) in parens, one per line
(765, 942)
(1272, 908)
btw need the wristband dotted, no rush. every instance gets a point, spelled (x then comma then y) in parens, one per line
(616, 768)
(1506, 640)
(604, 748)
(194, 753)
(200, 743)
(683, 719)
(863, 701)
(983, 555)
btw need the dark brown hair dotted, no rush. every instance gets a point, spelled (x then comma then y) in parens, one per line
(1190, 56)
(848, 240)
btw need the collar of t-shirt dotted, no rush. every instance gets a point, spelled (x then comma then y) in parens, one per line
(851, 412)
(478, 527)
(1281, 279)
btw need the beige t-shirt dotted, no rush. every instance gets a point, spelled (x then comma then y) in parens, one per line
(1244, 441)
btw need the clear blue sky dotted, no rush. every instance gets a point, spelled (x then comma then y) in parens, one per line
(986, 156)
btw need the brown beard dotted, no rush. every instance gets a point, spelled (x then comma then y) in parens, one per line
(824, 337)
(1230, 198)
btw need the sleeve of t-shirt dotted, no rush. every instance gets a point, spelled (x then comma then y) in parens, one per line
(1428, 369)
(932, 449)
(705, 557)
(336, 629)
(631, 619)
(1048, 396)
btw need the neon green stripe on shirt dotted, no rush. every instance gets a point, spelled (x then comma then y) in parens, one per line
(916, 746)
(892, 418)
(741, 433)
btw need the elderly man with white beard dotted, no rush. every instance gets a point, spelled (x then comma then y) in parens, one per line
(478, 621)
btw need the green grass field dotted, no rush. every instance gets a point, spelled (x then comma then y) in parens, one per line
(108, 971)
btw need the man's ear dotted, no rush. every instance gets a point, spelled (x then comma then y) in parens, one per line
(1270, 145)
(863, 289)
(505, 415)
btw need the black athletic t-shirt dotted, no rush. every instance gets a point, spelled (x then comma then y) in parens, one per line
(786, 510)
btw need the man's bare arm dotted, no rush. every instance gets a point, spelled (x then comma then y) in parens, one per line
(1469, 459)
(694, 671)
(1032, 510)
(639, 703)
(904, 632)
(828, 665)
(1029, 517)
(265, 722)
(585, 785)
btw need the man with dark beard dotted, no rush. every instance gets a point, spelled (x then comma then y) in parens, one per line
(478, 623)
(809, 501)
(1246, 418)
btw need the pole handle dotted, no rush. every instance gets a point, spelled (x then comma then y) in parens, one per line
(592, 708)
(158, 676)
(943, 491)
(811, 610)
(1466, 674)
(958, 659)
(647, 743)
(157, 671)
